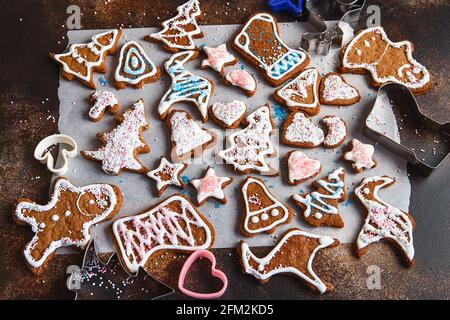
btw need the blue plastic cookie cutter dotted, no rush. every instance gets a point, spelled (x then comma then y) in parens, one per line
(282, 5)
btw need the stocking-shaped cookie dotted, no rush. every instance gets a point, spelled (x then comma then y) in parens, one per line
(334, 90)
(185, 87)
(262, 211)
(83, 59)
(302, 93)
(383, 221)
(386, 61)
(259, 42)
(250, 147)
(173, 224)
(320, 206)
(299, 131)
(124, 143)
(135, 68)
(66, 219)
(294, 254)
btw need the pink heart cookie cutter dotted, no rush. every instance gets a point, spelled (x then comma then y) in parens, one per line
(214, 272)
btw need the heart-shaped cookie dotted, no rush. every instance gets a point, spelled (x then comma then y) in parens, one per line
(299, 131)
(301, 167)
(214, 272)
(228, 115)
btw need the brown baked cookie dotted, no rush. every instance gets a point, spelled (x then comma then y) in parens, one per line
(187, 137)
(299, 131)
(372, 51)
(320, 207)
(383, 222)
(210, 186)
(336, 131)
(262, 211)
(101, 101)
(173, 224)
(178, 32)
(294, 254)
(121, 145)
(241, 79)
(259, 42)
(66, 219)
(167, 174)
(82, 60)
(218, 58)
(301, 93)
(228, 115)
(335, 91)
(301, 167)
(361, 155)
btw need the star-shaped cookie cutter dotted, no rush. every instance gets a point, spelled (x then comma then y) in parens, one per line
(67, 149)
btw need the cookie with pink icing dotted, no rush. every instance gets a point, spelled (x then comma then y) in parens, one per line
(218, 58)
(211, 186)
(361, 155)
(167, 174)
(336, 131)
(301, 167)
(299, 131)
(121, 145)
(241, 79)
(228, 115)
(101, 101)
(334, 90)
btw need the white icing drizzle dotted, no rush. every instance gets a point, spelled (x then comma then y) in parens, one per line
(210, 186)
(241, 79)
(336, 131)
(217, 58)
(335, 88)
(166, 168)
(303, 130)
(361, 155)
(230, 112)
(103, 99)
(299, 87)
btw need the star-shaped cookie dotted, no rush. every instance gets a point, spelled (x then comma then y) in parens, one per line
(211, 186)
(167, 174)
(218, 58)
(361, 154)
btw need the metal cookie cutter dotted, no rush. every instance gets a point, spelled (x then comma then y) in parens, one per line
(67, 148)
(397, 123)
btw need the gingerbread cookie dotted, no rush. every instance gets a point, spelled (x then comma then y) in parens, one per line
(299, 131)
(241, 79)
(228, 115)
(383, 221)
(187, 137)
(185, 87)
(178, 32)
(259, 42)
(294, 254)
(387, 61)
(167, 174)
(171, 225)
(218, 58)
(301, 93)
(335, 91)
(336, 131)
(66, 219)
(262, 211)
(83, 59)
(121, 145)
(250, 147)
(301, 167)
(102, 100)
(361, 154)
(320, 207)
(210, 186)
(135, 68)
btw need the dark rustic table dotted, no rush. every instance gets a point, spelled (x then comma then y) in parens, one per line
(29, 112)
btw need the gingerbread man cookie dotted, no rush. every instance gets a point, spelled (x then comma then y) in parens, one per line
(211, 186)
(228, 115)
(361, 154)
(334, 90)
(299, 131)
(167, 174)
(301, 167)
(102, 100)
(66, 219)
(218, 58)
(241, 79)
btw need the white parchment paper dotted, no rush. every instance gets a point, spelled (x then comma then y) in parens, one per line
(137, 189)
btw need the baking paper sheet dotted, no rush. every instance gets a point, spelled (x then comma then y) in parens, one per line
(137, 189)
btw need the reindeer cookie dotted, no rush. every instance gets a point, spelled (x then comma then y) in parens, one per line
(383, 221)
(387, 61)
(299, 131)
(259, 42)
(320, 207)
(294, 254)
(83, 59)
(66, 219)
(171, 225)
(185, 87)
(101, 101)
(334, 90)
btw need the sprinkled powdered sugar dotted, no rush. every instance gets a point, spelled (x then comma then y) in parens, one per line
(303, 130)
(228, 113)
(336, 89)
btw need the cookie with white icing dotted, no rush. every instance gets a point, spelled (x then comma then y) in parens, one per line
(167, 174)
(336, 131)
(334, 90)
(299, 131)
(218, 58)
(262, 211)
(241, 79)
(361, 155)
(211, 186)
(101, 101)
(301, 167)
(228, 115)
(301, 93)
